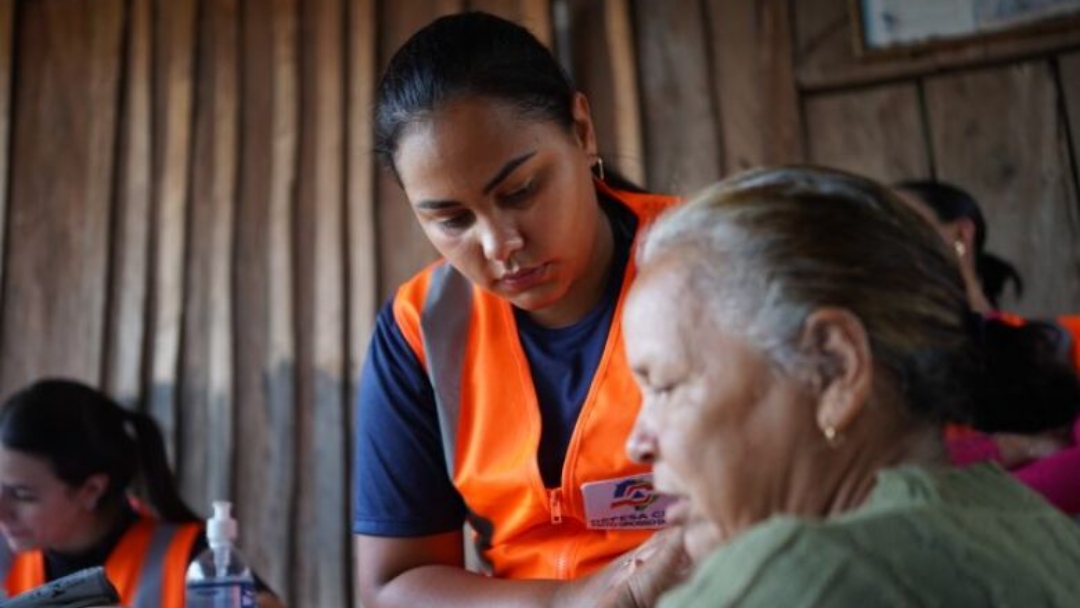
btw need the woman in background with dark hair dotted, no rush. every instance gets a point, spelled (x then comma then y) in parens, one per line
(73, 463)
(961, 223)
(1048, 462)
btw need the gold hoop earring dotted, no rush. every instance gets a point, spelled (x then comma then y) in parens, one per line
(599, 167)
(960, 248)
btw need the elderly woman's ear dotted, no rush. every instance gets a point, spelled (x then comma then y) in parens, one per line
(840, 366)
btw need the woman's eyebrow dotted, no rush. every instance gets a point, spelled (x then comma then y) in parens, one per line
(502, 174)
(507, 169)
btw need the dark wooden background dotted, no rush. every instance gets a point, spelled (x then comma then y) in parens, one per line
(191, 218)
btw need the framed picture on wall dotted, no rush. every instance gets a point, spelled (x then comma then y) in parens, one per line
(908, 25)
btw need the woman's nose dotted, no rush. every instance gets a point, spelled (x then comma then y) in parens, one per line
(641, 444)
(501, 240)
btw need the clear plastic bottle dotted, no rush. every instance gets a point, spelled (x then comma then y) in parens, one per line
(220, 577)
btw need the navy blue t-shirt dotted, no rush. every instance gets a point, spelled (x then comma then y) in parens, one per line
(401, 486)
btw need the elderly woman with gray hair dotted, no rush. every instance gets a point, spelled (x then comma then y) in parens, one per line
(800, 336)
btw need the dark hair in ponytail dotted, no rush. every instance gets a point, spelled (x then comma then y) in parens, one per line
(82, 432)
(156, 478)
(1026, 381)
(950, 203)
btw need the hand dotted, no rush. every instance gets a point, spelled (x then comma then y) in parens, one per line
(641, 576)
(1017, 449)
(268, 600)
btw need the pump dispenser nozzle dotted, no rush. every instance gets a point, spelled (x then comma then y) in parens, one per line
(221, 527)
(220, 577)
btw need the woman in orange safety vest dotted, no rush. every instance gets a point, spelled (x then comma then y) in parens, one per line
(495, 389)
(69, 455)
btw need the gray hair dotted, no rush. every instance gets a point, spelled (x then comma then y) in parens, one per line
(767, 248)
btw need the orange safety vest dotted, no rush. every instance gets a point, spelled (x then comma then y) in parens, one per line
(489, 417)
(147, 567)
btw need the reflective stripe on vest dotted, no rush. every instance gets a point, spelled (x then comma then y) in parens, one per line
(148, 593)
(444, 325)
(5, 563)
(155, 565)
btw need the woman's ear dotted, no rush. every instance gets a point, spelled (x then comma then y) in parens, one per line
(584, 131)
(91, 490)
(965, 232)
(835, 342)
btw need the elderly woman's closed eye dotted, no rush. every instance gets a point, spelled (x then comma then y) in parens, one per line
(799, 337)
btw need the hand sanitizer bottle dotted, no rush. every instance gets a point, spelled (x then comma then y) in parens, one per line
(219, 577)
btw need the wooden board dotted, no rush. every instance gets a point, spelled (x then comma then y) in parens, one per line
(363, 279)
(589, 64)
(682, 134)
(65, 104)
(1069, 83)
(403, 248)
(604, 66)
(999, 134)
(206, 377)
(629, 145)
(265, 348)
(876, 132)
(129, 263)
(754, 82)
(174, 37)
(826, 58)
(360, 241)
(322, 565)
(7, 46)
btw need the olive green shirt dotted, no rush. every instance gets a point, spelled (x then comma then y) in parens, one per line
(955, 538)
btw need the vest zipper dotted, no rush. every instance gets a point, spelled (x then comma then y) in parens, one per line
(562, 557)
(555, 503)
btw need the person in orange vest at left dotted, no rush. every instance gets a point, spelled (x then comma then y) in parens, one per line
(1047, 462)
(68, 457)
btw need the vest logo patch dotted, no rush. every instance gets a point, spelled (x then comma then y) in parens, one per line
(624, 503)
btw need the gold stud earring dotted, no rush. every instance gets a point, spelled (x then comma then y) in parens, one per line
(960, 249)
(832, 437)
(599, 167)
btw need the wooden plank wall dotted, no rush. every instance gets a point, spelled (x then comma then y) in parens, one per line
(178, 231)
(191, 217)
(56, 247)
(998, 118)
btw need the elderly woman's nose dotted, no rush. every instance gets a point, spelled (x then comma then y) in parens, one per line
(641, 445)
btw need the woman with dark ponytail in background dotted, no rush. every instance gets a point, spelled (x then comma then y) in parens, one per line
(1049, 462)
(85, 482)
(960, 221)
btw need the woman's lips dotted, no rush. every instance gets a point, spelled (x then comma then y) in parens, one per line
(522, 280)
(678, 512)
